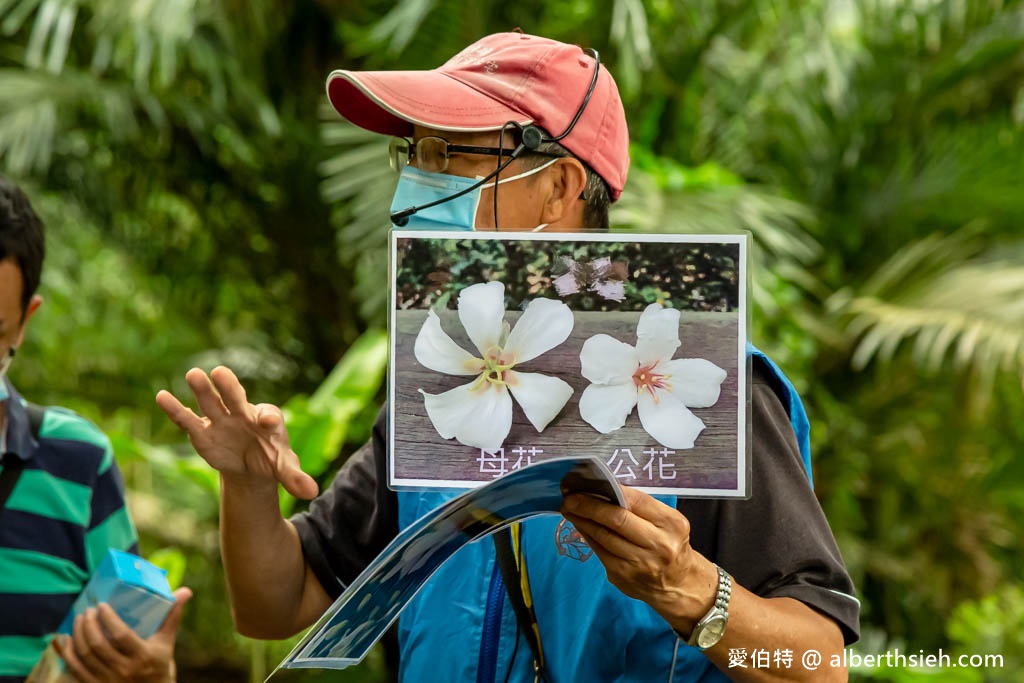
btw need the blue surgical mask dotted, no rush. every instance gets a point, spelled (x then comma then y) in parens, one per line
(417, 187)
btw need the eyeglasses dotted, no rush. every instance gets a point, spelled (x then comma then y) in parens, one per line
(431, 153)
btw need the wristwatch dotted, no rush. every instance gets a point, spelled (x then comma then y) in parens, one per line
(711, 628)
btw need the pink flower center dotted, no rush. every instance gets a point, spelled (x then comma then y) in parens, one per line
(647, 380)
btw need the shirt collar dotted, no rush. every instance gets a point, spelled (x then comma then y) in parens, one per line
(20, 441)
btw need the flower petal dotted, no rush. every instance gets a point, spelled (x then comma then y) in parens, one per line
(545, 324)
(613, 290)
(481, 310)
(657, 334)
(696, 382)
(434, 349)
(480, 417)
(606, 360)
(668, 420)
(566, 284)
(541, 397)
(606, 407)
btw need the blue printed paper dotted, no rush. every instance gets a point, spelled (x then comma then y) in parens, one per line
(357, 619)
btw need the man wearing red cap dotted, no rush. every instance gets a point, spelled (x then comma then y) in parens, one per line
(519, 132)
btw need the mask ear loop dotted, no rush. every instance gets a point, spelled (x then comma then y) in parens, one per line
(515, 153)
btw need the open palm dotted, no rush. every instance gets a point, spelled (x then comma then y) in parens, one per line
(236, 437)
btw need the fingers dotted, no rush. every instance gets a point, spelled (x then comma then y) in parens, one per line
(288, 468)
(625, 523)
(271, 420)
(106, 651)
(209, 402)
(169, 628)
(269, 416)
(599, 537)
(183, 417)
(605, 556)
(648, 507)
(294, 480)
(120, 635)
(231, 391)
(89, 646)
(235, 425)
(66, 649)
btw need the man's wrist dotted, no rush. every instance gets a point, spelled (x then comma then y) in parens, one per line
(248, 485)
(695, 597)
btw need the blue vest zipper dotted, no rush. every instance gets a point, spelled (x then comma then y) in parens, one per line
(491, 636)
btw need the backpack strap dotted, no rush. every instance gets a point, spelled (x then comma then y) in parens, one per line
(508, 549)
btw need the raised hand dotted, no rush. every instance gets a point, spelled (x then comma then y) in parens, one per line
(237, 438)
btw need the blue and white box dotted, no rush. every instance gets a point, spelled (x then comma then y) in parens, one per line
(136, 589)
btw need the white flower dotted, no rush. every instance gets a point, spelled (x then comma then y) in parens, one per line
(645, 376)
(479, 414)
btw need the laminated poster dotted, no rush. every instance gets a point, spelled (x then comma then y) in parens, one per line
(513, 348)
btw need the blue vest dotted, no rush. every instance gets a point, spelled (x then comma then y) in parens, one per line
(461, 626)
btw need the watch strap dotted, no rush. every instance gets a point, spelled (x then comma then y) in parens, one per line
(719, 609)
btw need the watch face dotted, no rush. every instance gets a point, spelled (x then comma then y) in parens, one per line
(712, 632)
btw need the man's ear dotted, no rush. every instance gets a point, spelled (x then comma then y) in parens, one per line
(568, 179)
(33, 305)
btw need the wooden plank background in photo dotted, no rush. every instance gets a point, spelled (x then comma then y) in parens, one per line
(421, 454)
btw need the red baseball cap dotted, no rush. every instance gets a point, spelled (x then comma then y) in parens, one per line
(500, 78)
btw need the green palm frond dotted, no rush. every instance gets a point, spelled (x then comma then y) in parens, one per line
(399, 26)
(28, 124)
(51, 35)
(957, 174)
(631, 35)
(948, 301)
(35, 106)
(415, 34)
(779, 226)
(166, 50)
(142, 38)
(358, 182)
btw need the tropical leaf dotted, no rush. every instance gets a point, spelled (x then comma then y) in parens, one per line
(36, 108)
(971, 312)
(359, 182)
(676, 199)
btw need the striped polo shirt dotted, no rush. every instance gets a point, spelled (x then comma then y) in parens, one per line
(64, 513)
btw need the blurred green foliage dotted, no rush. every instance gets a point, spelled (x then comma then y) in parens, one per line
(205, 207)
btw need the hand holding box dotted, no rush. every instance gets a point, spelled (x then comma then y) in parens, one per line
(135, 589)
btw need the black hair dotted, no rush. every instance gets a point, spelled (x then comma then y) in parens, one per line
(21, 238)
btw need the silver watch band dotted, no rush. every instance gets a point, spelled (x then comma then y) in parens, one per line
(710, 629)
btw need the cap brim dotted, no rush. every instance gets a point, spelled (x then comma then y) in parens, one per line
(391, 102)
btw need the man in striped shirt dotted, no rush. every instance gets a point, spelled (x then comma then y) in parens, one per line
(66, 507)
